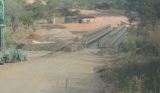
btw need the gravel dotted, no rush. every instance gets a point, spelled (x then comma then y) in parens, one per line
(60, 31)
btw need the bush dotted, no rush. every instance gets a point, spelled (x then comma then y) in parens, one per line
(65, 12)
(134, 74)
(9, 43)
(155, 42)
(26, 18)
(133, 42)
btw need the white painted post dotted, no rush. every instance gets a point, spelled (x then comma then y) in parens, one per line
(54, 20)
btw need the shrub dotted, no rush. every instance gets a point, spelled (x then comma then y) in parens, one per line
(134, 74)
(116, 12)
(155, 42)
(133, 42)
(9, 43)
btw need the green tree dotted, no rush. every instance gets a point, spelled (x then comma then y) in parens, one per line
(76, 12)
(27, 18)
(66, 12)
(51, 6)
(39, 10)
(148, 10)
(13, 9)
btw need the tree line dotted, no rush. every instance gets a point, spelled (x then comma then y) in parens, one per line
(18, 11)
(148, 11)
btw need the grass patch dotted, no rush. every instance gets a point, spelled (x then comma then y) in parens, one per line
(133, 42)
(116, 12)
(10, 43)
(134, 74)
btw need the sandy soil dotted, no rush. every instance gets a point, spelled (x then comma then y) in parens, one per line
(97, 23)
(100, 20)
(66, 73)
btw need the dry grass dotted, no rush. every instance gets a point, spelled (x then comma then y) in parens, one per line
(136, 72)
(115, 12)
(155, 41)
(107, 51)
(19, 34)
(133, 74)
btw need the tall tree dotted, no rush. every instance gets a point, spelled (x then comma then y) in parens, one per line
(39, 10)
(13, 9)
(148, 10)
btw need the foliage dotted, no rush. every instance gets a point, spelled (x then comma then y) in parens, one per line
(17, 10)
(148, 11)
(90, 4)
(134, 74)
(116, 12)
(26, 18)
(51, 8)
(38, 9)
(13, 9)
(155, 42)
(133, 42)
(65, 12)
(102, 6)
(9, 43)
(77, 12)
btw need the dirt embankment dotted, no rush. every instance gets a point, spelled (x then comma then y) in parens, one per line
(57, 27)
(58, 44)
(34, 37)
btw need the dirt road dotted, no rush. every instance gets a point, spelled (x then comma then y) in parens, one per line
(66, 73)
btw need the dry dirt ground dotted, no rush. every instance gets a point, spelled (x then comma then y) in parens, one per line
(65, 73)
(100, 20)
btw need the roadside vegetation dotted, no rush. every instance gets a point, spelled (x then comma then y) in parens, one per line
(137, 69)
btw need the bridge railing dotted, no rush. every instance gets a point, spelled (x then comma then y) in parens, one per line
(117, 35)
(97, 32)
(88, 38)
(107, 30)
(110, 37)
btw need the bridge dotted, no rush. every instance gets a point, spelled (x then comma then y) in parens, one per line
(108, 36)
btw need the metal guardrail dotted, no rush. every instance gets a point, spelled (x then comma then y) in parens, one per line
(117, 31)
(99, 37)
(81, 43)
(110, 37)
(117, 36)
(97, 32)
